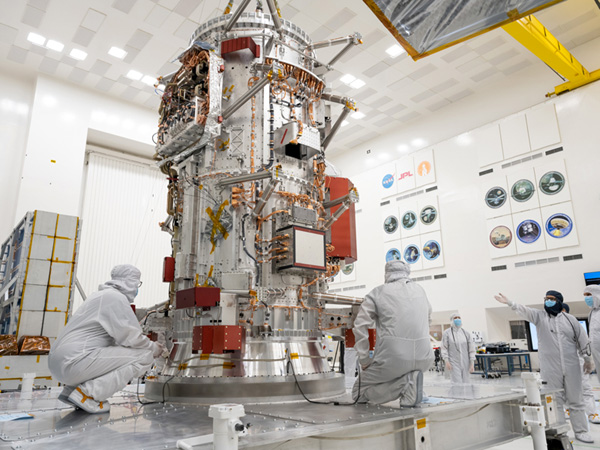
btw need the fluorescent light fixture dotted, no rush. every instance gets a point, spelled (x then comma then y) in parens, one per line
(358, 115)
(55, 45)
(395, 50)
(7, 104)
(49, 101)
(150, 81)
(464, 139)
(357, 84)
(117, 52)
(36, 39)
(418, 142)
(134, 75)
(22, 108)
(344, 123)
(402, 148)
(347, 79)
(77, 54)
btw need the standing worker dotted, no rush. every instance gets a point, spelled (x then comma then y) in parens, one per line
(102, 346)
(401, 314)
(560, 340)
(588, 394)
(591, 295)
(458, 350)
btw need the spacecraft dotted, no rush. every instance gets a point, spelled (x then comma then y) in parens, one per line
(257, 226)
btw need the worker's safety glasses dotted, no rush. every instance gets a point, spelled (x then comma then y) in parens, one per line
(140, 284)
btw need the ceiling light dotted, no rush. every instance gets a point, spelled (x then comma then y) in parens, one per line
(347, 79)
(344, 123)
(150, 81)
(358, 115)
(357, 84)
(36, 39)
(77, 54)
(464, 139)
(7, 105)
(49, 101)
(395, 50)
(134, 75)
(55, 45)
(402, 148)
(22, 108)
(418, 142)
(117, 52)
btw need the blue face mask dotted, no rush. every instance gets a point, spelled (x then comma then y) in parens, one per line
(589, 300)
(136, 292)
(457, 322)
(550, 303)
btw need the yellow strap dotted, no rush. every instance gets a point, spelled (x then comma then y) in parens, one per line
(85, 397)
(216, 224)
(210, 274)
(294, 356)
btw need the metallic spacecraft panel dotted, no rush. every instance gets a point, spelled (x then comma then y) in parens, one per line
(424, 27)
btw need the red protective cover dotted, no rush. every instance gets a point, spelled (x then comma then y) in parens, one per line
(233, 45)
(199, 296)
(168, 269)
(343, 230)
(132, 307)
(218, 338)
(350, 340)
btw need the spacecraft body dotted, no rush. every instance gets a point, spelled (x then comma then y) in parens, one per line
(257, 227)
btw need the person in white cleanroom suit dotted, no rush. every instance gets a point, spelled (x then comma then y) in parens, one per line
(560, 341)
(588, 393)
(458, 350)
(102, 346)
(591, 295)
(401, 314)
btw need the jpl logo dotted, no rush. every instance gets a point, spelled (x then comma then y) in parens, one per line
(404, 175)
(388, 181)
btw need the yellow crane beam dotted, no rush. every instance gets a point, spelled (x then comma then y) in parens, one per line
(534, 36)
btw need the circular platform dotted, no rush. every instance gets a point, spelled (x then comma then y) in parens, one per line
(260, 389)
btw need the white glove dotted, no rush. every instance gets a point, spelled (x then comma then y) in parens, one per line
(588, 366)
(448, 366)
(158, 350)
(472, 367)
(502, 299)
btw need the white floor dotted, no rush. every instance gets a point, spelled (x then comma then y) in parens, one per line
(526, 443)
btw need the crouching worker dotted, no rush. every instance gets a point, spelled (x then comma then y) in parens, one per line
(400, 312)
(102, 346)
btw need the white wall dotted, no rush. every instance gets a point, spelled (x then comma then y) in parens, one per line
(61, 116)
(45, 125)
(470, 283)
(15, 105)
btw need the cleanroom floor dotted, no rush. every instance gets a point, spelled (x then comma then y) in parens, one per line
(515, 381)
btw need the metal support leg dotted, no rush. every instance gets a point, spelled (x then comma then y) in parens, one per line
(533, 413)
(227, 428)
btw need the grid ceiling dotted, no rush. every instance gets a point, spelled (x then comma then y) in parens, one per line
(154, 32)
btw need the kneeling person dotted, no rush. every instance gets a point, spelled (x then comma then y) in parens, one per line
(401, 314)
(102, 346)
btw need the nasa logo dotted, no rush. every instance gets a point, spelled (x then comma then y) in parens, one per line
(388, 181)
(404, 175)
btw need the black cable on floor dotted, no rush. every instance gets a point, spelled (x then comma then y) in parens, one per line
(336, 403)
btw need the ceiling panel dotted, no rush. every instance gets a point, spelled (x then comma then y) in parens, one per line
(154, 32)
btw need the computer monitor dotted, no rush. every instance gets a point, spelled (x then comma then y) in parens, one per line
(532, 339)
(591, 278)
